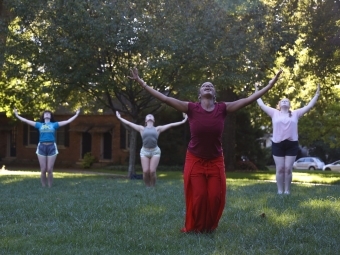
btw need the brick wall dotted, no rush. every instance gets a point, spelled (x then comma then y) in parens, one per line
(71, 155)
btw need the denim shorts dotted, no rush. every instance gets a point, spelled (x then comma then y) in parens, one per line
(285, 148)
(145, 152)
(47, 149)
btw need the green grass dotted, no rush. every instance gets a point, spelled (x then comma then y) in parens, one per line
(92, 214)
(315, 177)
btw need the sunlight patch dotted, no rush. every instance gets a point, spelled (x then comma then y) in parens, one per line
(285, 219)
(152, 209)
(13, 180)
(8, 172)
(306, 177)
(331, 204)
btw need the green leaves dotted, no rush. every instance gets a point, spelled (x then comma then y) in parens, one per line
(79, 53)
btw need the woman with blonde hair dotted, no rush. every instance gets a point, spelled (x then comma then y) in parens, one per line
(285, 145)
(150, 153)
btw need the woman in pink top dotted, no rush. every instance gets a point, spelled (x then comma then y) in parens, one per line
(285, 145)
(204, 170)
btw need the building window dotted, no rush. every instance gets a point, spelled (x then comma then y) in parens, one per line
(124, 138)
(31, 135)
(86, 143)
(13, 142)
(62, 136)
(107, 145)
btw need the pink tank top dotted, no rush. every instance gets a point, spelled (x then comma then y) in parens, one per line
(206, 130)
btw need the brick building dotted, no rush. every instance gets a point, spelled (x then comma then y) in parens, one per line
(102, 135)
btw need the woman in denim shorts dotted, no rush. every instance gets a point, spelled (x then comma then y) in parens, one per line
(150, 153)
(47, 149)
(285, 145)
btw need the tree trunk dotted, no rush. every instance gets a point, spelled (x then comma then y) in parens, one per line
(132, 149)
(229, 131)
(229, 141)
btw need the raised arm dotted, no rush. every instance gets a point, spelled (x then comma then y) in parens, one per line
(136, 127)
(173, 102)
(238, 104)
(160, 129)
(29, 122)
(269, 110)
(312, 102)
(65, 122)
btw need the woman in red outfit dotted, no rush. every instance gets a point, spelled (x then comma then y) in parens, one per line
(204, 170)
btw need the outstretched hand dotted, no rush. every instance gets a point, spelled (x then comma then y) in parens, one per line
(15, 112)
(277, 75)
(318, 89)
(134, 74)
(117, 114)
(78, 111)
(271, 82)
(185, 116)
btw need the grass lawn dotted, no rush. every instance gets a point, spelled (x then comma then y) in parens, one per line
(102, 214)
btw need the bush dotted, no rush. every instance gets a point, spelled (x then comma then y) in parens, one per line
(246, 166)
(88, 160)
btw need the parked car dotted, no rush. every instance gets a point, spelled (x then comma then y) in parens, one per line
(335, 166)
(310, 163)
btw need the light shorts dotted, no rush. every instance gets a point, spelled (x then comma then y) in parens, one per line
(47, 149)
(144, 152)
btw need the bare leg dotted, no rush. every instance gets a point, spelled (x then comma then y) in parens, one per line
(289, 161)
(43, 169)
(280, 177)
(50, 165)
(145, 161)
(153, 167)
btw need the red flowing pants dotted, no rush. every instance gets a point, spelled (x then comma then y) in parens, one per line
(205, 193)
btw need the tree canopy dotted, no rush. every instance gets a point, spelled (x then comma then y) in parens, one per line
(78, 53)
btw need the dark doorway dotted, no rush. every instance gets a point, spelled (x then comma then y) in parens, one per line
(86, 143)
(13, 142)
(107, 145)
